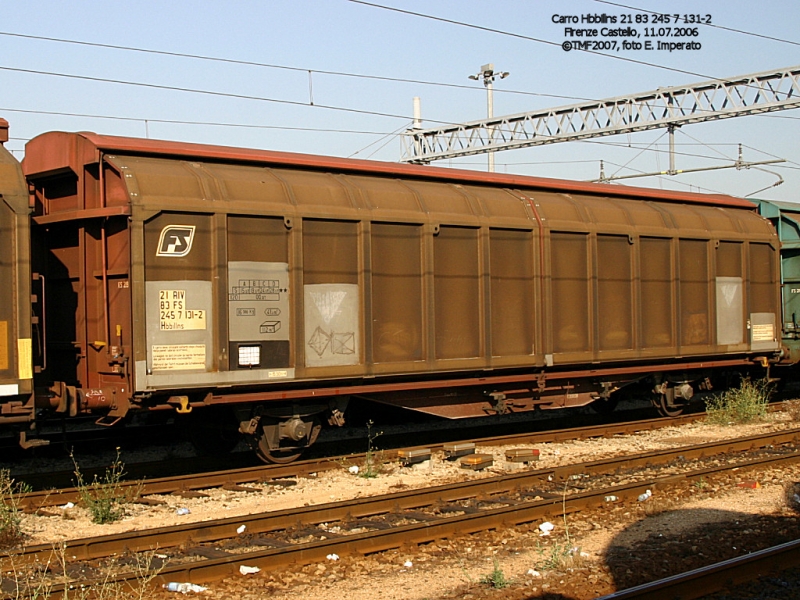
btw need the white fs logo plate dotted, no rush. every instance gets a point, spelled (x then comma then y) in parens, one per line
(175, 241)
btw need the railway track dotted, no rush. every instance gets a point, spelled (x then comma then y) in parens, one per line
(212, 550)
(337, 443)
(264, 474)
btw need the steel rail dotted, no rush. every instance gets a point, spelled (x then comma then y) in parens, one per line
(716, 577)
(513, 513)
(33, 501)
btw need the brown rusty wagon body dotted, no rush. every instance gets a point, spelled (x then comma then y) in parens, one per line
(192, 276)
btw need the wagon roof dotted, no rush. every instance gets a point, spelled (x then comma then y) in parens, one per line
(53, 151)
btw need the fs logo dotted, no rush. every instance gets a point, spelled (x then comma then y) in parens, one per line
(175, 241)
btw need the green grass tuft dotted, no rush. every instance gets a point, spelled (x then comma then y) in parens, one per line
(496, 578)
(745, 404)
(105, 498)
(10, 519)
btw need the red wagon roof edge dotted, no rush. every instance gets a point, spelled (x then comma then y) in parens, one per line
(45, 144)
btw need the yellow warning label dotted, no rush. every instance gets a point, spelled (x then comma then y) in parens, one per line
(178, 357)
(24, 348)
(3, 345)
(764, 332)
(174, 315)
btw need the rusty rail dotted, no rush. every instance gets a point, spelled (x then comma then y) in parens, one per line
(168, 485)
(714, 578)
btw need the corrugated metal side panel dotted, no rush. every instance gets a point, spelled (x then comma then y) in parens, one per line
(615, 279)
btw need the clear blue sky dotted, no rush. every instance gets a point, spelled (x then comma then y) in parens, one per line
(347, 37)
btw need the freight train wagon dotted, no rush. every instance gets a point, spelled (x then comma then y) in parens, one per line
(258, 291)
(16, 365)
(785, 217)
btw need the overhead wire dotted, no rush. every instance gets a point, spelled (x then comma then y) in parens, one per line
(207, 92)
(297, 69)
(661, 179)
(364, 75)
(719, 152)
(188, 122)
(501, 32)
(251, 63)
(388, 137)
(326, 72)
(642, 151)
(383, 134)
(771, 155)
(797, 167)
(715, 26)
(647, 147)
(526, 37)
(530, 38)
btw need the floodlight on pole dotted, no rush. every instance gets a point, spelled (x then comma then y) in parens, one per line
(488, 75)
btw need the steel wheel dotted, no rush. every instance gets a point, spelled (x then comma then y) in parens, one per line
(666, 409)
(288, 450)
(277, 457)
